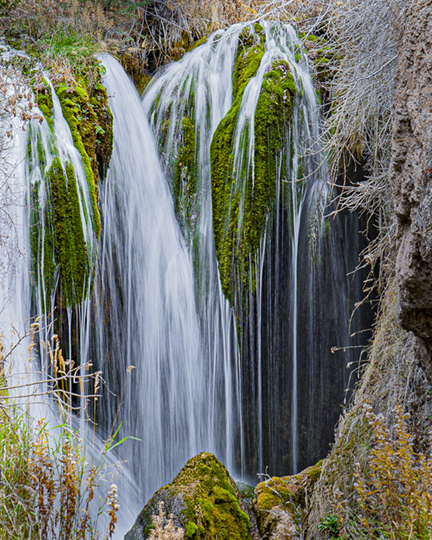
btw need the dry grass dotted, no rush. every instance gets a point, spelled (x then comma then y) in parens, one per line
(47, 488)
(164, 529)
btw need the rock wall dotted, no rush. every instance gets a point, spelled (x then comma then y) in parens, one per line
(411, 178)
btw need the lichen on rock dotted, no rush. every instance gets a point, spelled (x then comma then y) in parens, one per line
(204, 501)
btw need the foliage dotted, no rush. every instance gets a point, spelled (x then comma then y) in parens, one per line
(162, 530)
(330, 524)
(47, 486)
(394, 491)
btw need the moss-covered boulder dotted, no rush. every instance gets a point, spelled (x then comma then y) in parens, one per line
(284, 498)
(204, 501)
(243, 199)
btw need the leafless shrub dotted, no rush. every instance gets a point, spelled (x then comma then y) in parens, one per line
(164, 529)
(16, 109)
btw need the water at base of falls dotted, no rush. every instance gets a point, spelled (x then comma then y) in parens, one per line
(186, 369)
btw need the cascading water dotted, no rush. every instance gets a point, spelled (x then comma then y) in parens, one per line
(280, 288)
(211, 309)
(145, 313)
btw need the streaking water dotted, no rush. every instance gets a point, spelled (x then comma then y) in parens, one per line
(144, 307)
(202, 81)
(285, 331)
(158, 325)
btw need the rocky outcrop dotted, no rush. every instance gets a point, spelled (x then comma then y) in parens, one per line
(283, 501)
(204, 501)
(411, 178)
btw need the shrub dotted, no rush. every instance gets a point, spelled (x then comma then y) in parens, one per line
(47, 488)
(394, 490)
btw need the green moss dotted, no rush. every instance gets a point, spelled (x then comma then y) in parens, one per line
(45, 103)
(203, 499)
(75, 104)
(314, 472)
(198, 43)
(41, 153)
(103, 127)
(240, 213)
(185, 175)
(70, 251)
(289, 494)
(191, 529)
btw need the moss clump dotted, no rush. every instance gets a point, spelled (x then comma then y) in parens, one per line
(45, 103)
(57, 236)
(65, 231)
(198, 43)
(204, 501)
(103, 128)
(286, 494)
(185, 175)
(90, 121)
(242, 200)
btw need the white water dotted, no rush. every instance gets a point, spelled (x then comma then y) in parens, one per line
(206, 72)
(204, 78)
(145, 312)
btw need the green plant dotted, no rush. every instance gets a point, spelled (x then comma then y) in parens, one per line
(330, 524)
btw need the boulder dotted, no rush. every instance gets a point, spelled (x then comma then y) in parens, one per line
(203, 500)
(281, 502)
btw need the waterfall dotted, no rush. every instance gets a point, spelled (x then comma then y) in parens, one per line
(145, 311)
(217, 287)
(281, 333)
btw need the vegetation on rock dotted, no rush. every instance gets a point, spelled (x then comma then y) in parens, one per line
(243, 200)
(203, 500)
(284, 499)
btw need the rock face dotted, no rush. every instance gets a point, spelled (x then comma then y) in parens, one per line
(411, 177)
(282, 501)
(204, 501)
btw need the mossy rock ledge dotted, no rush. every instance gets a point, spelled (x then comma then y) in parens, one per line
(288, 494)
(243, 200)
(204, 501)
